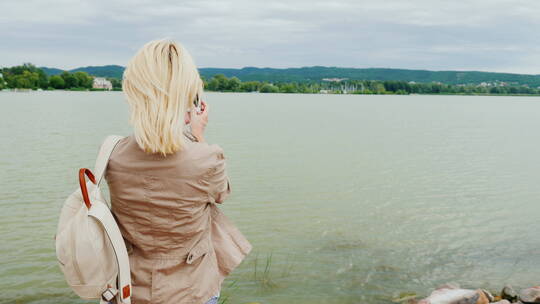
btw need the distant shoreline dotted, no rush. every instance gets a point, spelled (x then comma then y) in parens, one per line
(30, 77)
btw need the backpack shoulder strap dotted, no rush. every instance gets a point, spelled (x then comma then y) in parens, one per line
(103, 156)
(102, 213)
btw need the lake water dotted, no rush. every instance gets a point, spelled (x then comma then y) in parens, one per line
(349, 198)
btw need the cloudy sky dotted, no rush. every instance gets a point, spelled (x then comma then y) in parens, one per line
(486, 35)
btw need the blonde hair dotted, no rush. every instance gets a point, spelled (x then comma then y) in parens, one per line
(160, 83)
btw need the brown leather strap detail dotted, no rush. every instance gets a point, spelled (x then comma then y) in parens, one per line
(126, 291)
(82, 183)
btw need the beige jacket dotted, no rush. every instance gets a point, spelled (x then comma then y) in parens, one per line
(183, 246)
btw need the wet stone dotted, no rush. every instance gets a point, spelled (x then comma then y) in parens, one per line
(456, 296)
(489, 296)
(530, 295)
(508, 293)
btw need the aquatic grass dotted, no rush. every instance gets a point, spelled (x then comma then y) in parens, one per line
(263, 278)
(288, 268)
(266, 276)
(223, 299)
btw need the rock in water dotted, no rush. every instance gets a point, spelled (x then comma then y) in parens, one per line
(489, 296)
(456, 296)
(530, 295)
(508, 293)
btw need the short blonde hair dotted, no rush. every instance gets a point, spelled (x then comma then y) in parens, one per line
(160, 83)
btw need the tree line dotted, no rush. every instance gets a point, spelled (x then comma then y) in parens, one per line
(308, 74)
(28, 76)
(220, 83)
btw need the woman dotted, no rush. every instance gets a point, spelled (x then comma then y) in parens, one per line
(165, 182)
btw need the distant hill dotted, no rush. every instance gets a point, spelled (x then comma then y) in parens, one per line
(112, 71)
(51, 71)
(317, 73)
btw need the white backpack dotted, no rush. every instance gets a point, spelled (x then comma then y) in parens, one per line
(89, 246)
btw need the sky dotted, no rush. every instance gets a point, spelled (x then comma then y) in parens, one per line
(484, 35)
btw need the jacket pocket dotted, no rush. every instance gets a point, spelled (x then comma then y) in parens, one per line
(193, 278)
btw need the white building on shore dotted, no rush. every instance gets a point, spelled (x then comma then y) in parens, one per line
(102, 83)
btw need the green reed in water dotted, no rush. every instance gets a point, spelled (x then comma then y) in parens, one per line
(263, 278)
(223, 299)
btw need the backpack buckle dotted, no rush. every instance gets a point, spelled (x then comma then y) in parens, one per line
(109, 294)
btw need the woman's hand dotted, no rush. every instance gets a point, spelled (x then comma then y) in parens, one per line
(199, 121)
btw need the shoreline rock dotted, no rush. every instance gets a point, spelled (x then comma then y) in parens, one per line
(508, 293)
(454, 294)
(530, 295)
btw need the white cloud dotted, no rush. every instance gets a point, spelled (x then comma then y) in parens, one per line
(426, 34)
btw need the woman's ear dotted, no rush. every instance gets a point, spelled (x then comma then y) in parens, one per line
(187, 117)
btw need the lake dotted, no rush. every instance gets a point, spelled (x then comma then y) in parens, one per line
(345, 198)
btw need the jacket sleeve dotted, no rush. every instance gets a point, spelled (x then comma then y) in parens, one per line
(219, 184)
